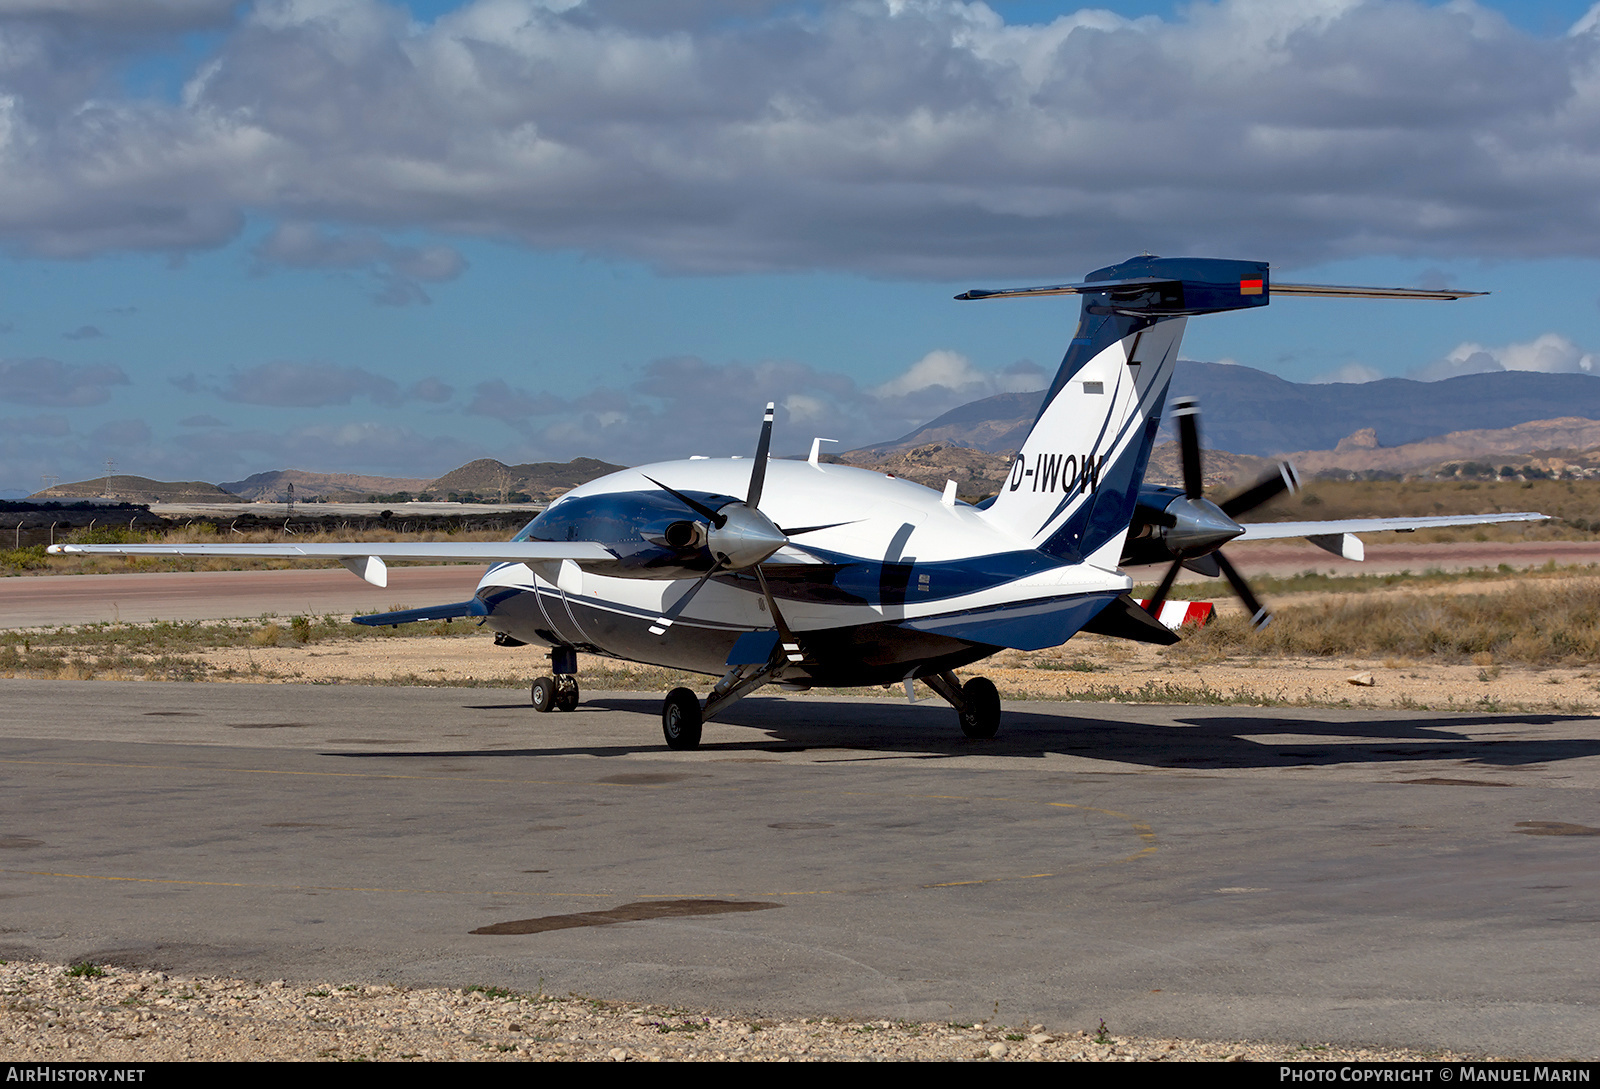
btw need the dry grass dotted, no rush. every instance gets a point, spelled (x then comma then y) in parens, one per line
(1529, 623)
(176, 650)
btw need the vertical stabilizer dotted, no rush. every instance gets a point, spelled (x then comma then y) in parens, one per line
(1074, 483)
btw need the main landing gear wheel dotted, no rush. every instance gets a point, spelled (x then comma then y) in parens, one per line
(680, 719)
(981, 719)
(544, 694)
(567, 694)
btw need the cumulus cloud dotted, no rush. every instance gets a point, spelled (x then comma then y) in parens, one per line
(288, 384)
(49, 425)
(907, 138)
(357, 446)
(938, 369)
(1551, 353)
(1354, 373)
(397, 270)
(151, 14)
(432, 391)
(295, 385)
(52, 383)
(681, 405)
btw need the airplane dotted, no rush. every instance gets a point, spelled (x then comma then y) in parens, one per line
(767, 571)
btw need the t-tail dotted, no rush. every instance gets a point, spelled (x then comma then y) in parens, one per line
(1074, 484)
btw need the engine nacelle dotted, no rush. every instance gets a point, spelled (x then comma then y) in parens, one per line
(648, 532)
(1167, 525)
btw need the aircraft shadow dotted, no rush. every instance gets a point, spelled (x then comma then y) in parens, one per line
(1191, 739)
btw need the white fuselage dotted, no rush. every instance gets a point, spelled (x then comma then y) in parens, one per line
(891, 551)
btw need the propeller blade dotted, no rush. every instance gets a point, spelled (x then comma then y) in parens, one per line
(758, 471)
(787, 532)
(1259, 617)
(1160, 598)
(701, 509)
(791, 645)
(664, 621)
(1284, 480)
(1186, 412)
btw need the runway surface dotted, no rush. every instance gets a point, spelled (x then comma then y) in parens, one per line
(38, 601)
(1347, 876)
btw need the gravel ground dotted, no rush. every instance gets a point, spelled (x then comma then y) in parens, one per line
(53, 1013)
(1089, 667)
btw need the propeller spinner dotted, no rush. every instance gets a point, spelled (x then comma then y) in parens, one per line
(1194, 529)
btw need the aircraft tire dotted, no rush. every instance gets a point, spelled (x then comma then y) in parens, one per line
(982, 718)
(544, 694)
(567, 694)
(680, 719)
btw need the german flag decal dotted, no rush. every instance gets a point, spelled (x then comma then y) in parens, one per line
(1250, 287)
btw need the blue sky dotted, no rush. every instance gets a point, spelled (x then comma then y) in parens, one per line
(349, 235)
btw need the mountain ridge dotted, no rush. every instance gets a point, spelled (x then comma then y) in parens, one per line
(1247, 411)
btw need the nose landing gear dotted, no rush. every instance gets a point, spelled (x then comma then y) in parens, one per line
(560, 692)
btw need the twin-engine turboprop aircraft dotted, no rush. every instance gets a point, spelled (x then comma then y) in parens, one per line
(802, 573)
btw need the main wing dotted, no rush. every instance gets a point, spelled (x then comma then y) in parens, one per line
(367, 560)
(1339, 537)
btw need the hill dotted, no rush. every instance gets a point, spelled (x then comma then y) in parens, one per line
(540, 481)
(1247, 411)
(273, 486)
(1549, 445)
(140, 489)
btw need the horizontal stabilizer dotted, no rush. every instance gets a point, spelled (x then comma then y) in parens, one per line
(1340, 291)
(1196, 285)
(1092, 287)
(461, 610)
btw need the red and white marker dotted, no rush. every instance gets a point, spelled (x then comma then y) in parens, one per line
(1175, 614)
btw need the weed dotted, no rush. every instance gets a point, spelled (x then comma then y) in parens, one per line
(86, 969)
(491, 992)
(1532, 624)
(1102, 1036)
(1078, 665)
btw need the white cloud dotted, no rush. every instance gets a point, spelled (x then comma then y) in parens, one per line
(682, 405)
(396, 269)
(939, 368)
(926, 139)
(356, 446)
(158, 14)
(55, 384)
(1550, 353)
(295, 385)
(1354, 373)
